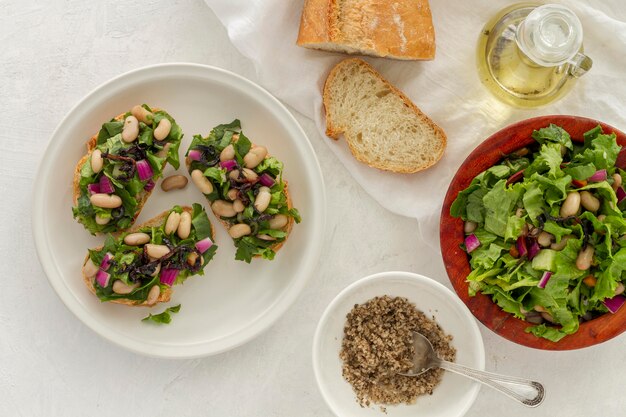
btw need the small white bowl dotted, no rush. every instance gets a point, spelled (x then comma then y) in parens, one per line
(452, 397)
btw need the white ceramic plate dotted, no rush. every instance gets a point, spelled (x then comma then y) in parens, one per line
(452, 398)
(233, 302)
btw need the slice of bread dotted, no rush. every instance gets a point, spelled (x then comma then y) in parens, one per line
(400, 29)
(143, 195)
(166, 294)
(383, 128)
(275, 247)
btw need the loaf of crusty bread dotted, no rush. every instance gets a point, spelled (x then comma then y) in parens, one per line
(383, 128)
(400, 29)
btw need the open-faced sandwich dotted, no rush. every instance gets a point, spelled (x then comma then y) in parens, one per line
(245, 188)
(116, 176)
(140, 267)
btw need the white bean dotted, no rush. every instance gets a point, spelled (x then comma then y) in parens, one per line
(250, 175)
(102, 220)
(142, 114)
(238, 206)
(617, 181)
(238, 230)
(172, 223)
(156, 251)
(232, 194)
(547, 317)
(263, 199)
(544, 239)
(223, 208)
(156, 271)
(136, 239)
(255, 156)
(105, 200)
(571, 204)
(585, 256)
(469, 227)
(90, 269)
(202, 182)
(193, 257)
(227, 153)
(589, 202)
(163, 129)
(278, 221)
(96, 161)
(619, 289)
(130, 130)
(153, 295)
(174, 182)
(120, 288)
(266, 237)
(163, 152)
(234, 174)
(184, 227)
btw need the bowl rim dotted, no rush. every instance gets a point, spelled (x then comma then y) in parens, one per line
(502, 142)
(382, 276)
(275, 310)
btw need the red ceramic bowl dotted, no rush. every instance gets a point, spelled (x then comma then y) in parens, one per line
(455, 259)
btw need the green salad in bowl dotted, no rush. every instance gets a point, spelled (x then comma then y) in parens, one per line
(545, 231)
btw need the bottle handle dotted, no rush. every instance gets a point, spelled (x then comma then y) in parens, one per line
(579, 65)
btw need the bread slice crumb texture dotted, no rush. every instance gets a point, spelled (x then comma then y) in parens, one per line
(383, 128)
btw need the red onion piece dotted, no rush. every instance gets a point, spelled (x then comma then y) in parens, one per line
(204, 245)
(515, 177)
(149, 185)
(614, 304)
(102, 278)
(533, 249)
(106, 186)
(600, 175)
(93, 188)
(195, 155)
(144, 170)
(471, 243)
(168, 276)
(521, 246)
(106, 261)
(266, 180)
(229, 164)
(621, 194)
(544, 279)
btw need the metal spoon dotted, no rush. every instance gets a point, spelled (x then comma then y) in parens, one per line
(530, 393)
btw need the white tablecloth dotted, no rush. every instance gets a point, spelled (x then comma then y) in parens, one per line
(53, 53)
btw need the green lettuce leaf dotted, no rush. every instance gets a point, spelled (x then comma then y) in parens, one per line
(164, 317)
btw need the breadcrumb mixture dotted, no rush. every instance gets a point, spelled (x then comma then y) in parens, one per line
(377, 344)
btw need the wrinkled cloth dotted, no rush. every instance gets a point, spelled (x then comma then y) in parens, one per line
(447, 89)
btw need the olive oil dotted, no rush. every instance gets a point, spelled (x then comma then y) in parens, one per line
(530, 63)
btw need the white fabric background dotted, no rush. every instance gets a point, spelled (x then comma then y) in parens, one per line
(55, 52)
(447, 89)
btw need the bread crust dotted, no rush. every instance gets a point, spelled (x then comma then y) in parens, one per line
(335, 129)
(400, 30)
(166, 294)
(91, 145)
(275, 247)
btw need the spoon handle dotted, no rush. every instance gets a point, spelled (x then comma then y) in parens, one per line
(527, 392)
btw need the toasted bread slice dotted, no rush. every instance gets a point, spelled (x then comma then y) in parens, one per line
(166, 293)
(383, 128)
(284, 206)
(91, 144)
